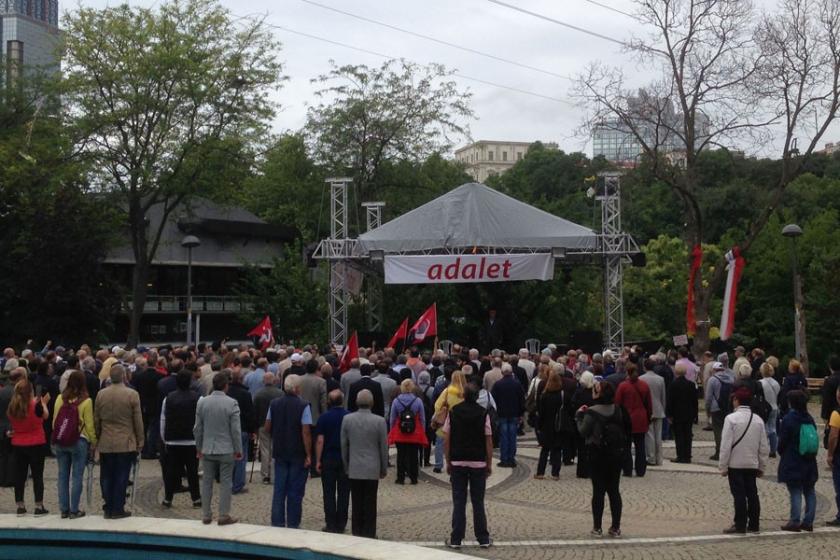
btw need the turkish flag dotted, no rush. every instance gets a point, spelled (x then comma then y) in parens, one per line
(264, 333)
(401, 333)
(350, 353)
(425, 326)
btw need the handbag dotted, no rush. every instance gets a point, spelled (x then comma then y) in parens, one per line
(439, 419)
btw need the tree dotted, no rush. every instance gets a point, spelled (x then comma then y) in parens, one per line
(719, 79)
(370, 116)
(53, 233)
(153, 96)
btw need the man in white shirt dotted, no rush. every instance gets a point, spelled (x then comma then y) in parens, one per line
(744, 450)
(526, 363)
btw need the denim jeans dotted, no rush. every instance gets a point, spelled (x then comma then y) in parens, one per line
(476, 479)
(289, 488)
(507, 439)
(796, 492)
(336, 487)
(114, 472)
(835, 475)
(71, 474)
(438, 452)
(770, 428)
(241, 466)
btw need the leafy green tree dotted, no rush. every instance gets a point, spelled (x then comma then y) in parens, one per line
(53, 232)
(372, 116)
(153, 96)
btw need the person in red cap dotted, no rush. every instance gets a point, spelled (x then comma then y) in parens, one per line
(744, 451)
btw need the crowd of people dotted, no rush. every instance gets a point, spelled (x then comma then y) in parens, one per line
(202, 411)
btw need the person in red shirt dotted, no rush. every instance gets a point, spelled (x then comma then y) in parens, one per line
(29, 442)
(634, 395)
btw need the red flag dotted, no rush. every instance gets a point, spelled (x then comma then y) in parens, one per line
(350, 353)
(425, 326)
(401, 333)
(264, 332)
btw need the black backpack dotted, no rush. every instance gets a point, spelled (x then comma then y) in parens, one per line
(724, 398)
(613, 439)
(759, 404)
(408, 419)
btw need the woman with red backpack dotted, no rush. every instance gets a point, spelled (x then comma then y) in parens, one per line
(26, 414)
(73, 436)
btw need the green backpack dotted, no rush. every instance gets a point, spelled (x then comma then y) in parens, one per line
(809, 441)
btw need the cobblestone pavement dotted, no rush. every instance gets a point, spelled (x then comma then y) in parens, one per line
(545, 519)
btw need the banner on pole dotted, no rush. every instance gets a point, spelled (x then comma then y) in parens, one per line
(462, 269)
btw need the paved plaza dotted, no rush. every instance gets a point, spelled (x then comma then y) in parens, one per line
(675, 511)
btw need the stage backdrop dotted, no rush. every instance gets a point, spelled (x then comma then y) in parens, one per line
(460, 269)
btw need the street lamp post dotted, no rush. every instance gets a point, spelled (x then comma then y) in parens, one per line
(793, 231)
(189, 242)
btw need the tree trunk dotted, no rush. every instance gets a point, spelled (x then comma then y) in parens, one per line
(703, 324)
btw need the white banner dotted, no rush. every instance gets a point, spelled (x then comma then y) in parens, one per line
(463, 269)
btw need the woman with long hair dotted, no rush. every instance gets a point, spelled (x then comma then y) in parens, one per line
(74, 402)
(549, 435)
(771, 390)
(27, 413)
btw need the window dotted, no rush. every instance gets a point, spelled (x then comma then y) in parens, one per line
(504, 156)
(490, 156)
(518, 156)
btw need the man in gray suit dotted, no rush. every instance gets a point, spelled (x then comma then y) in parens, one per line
(349, 377)
(313, 390)
(218, 439)
(658, 396)
(364, 451)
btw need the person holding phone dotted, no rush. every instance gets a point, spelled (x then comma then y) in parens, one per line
(27, 413)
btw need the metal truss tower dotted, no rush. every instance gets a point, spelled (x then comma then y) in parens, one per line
(336, 252)
(615, 247)
(373, 283)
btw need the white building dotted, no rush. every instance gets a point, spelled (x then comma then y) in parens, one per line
(486, 158)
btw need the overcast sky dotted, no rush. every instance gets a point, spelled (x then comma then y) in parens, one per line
(502, 114)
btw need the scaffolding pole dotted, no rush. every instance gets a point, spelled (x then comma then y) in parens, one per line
(615, 245)
(373, 282)
(339, 295)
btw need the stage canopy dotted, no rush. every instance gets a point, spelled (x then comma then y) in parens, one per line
(476, 216)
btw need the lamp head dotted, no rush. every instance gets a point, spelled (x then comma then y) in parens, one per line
(190, 241)
(791, 230)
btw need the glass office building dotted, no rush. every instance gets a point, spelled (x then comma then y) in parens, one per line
(28, 36)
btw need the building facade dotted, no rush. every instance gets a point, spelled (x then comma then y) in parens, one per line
(28, 36)
(486, 158)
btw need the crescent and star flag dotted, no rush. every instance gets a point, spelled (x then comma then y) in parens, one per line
(350, 353)
(264, 333)
(425, 326)
(735, 266)
(401, 333)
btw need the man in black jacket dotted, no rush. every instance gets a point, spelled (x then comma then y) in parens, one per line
(177, 419)
(510, 405)
(145, 380)
(367, 383)
(248, 419)
(681, 410)
(830, 386)
(468, 444)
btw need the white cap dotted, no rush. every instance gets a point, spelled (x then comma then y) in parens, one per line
(297, 357)
(717, 366)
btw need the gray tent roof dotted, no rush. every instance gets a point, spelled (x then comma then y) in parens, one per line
(476, 215)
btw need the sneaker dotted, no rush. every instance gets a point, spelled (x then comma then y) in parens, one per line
(40, 510)
(614, 532)
(733, 530)
(266, 480)
(21, 511)
(450, 544)
(487, 544)
(196, 503)
(596, 533)
(791, 527)
(833, 523)
(166, 503)
(120, 515)
(77, 515)
(437, 470)
(754, 531)
(809, 528)
(227, 520)
(539, 477)
(555, 478)
(65, 514)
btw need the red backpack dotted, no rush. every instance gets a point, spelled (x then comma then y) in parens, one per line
(66, 430)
